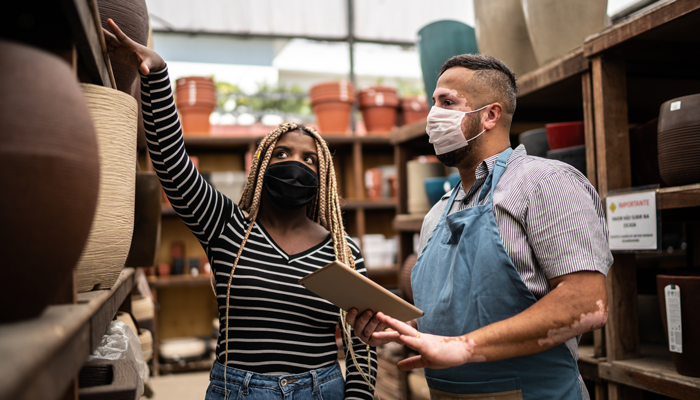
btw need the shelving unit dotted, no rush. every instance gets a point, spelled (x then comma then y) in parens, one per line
(353, 155)
(617, 78)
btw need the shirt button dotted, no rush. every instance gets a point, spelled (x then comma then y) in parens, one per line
(283, 382)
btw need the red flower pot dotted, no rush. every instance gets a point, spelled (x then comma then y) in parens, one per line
(414, 108)
(333, 116)
(195, 119)
(195, 91)
(565, 134)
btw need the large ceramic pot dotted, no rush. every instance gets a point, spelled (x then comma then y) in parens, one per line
(501, 31)
(438, 42)
(114, 117)
(556, 27)
(679, 140)
(132, 18)
(686, 362)
(535, 142)
(195, 98)
(49, 175)
(332, 104)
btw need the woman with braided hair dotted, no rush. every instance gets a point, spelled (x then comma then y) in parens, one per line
(277, 339)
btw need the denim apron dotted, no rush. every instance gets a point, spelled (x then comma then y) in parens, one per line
(464, 280)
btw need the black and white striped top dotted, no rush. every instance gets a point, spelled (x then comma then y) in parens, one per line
(276, 326)
(549, 216)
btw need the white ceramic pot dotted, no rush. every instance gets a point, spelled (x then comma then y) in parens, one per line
(416, 173)
(114, 117)
(557, 27)
(501, 32)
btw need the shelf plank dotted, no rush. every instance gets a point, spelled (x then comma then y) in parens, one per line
(573, 63)
(678, 197)
(178, 281)
(42, 356)
(409, 132)
(243, 142)
(84, 29)
(378, 204)
(387, 277)
(588, 364)
(654, 373)
(637, 25)
(408, 222)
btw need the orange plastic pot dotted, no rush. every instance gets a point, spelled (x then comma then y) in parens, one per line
(195, 120)
(333, 117)
(414, 109)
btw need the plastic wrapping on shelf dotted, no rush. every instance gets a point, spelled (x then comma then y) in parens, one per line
(120, 342)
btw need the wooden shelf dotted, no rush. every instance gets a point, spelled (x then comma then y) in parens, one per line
(410, 132)
(571, 64)
(42, 356)
(408, 222)
(678, 197)
(244, 142)
(378, 204)
(178, 281)
(654, 372)
(588, 364)
(387, 277)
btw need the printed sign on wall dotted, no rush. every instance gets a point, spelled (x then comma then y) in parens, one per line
(632, 221)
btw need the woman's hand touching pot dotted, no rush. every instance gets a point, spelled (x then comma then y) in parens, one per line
(128, 52)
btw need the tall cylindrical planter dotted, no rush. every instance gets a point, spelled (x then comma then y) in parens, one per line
(195, 98)
(437, 43)
(686, 361)
(556, 27)
(378, 105)
(49, 175)
(132, 18)
(114, 117)
(501, 32)
(417, 172)
(332, 104)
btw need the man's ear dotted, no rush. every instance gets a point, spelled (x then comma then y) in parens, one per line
(492, 115)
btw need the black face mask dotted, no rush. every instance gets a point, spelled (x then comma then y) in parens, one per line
(290, 184)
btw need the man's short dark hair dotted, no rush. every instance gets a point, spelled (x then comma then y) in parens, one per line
(490, 73)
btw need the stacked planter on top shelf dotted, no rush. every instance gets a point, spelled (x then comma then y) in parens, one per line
(378, 105)
(332, 103)
(195, 100)
(567, 144)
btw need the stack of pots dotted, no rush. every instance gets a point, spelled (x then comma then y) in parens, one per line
(414, 109)
(378, 105)
(679, 141)
(332, 103)
(567, 143)
(195, 100)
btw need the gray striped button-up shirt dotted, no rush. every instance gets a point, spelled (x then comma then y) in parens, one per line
(549, 216)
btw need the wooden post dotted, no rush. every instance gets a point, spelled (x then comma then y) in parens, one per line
(589, 126)
(358, 171)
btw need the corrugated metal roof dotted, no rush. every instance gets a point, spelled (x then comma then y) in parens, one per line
(375, 20)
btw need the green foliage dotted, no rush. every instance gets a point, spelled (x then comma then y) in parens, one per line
(279, 98)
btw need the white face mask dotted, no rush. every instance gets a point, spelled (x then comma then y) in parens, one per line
(445, 129)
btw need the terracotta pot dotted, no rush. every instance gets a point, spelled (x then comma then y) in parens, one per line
(687, 362)
(379, 120)
(333, 117)
(132, 18)
(49, 175)
(195, 120)
(195, 91)
(414, 109)
(556, 27)
(332, 98)
(501, 31)
(373, 183)
(114, 117)
(333, 87)
(565, 134)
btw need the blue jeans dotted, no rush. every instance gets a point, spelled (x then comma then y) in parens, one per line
(322, 384)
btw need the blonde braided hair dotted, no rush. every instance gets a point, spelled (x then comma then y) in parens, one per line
(324, 209)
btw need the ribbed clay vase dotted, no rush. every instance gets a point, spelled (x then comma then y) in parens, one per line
(501, 32)
(114, 117)
(132, 18)
(49, 175)
(556, 27)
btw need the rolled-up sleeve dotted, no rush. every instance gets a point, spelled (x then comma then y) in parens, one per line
(566, 227)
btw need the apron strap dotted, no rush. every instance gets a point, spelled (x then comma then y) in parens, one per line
(495, 175)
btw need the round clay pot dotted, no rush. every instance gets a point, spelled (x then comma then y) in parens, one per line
(414, 109)
(131, 16)
(195, 119)
(114, 118)
(501, 31)
(333, 117)
(556, 27)
(687, 362)
(333, 87)
(417, 171)
(49, 175)
(332, 97)
(379, 120)
(195, 91)
(565, 134)
(679, 141)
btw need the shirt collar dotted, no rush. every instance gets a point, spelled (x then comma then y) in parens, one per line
(483, 170)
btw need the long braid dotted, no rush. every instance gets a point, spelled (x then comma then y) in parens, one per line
(324, 209)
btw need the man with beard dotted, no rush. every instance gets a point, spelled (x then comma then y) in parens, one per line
(512, 262)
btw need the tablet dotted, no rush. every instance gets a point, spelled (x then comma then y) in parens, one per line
(347, 289)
